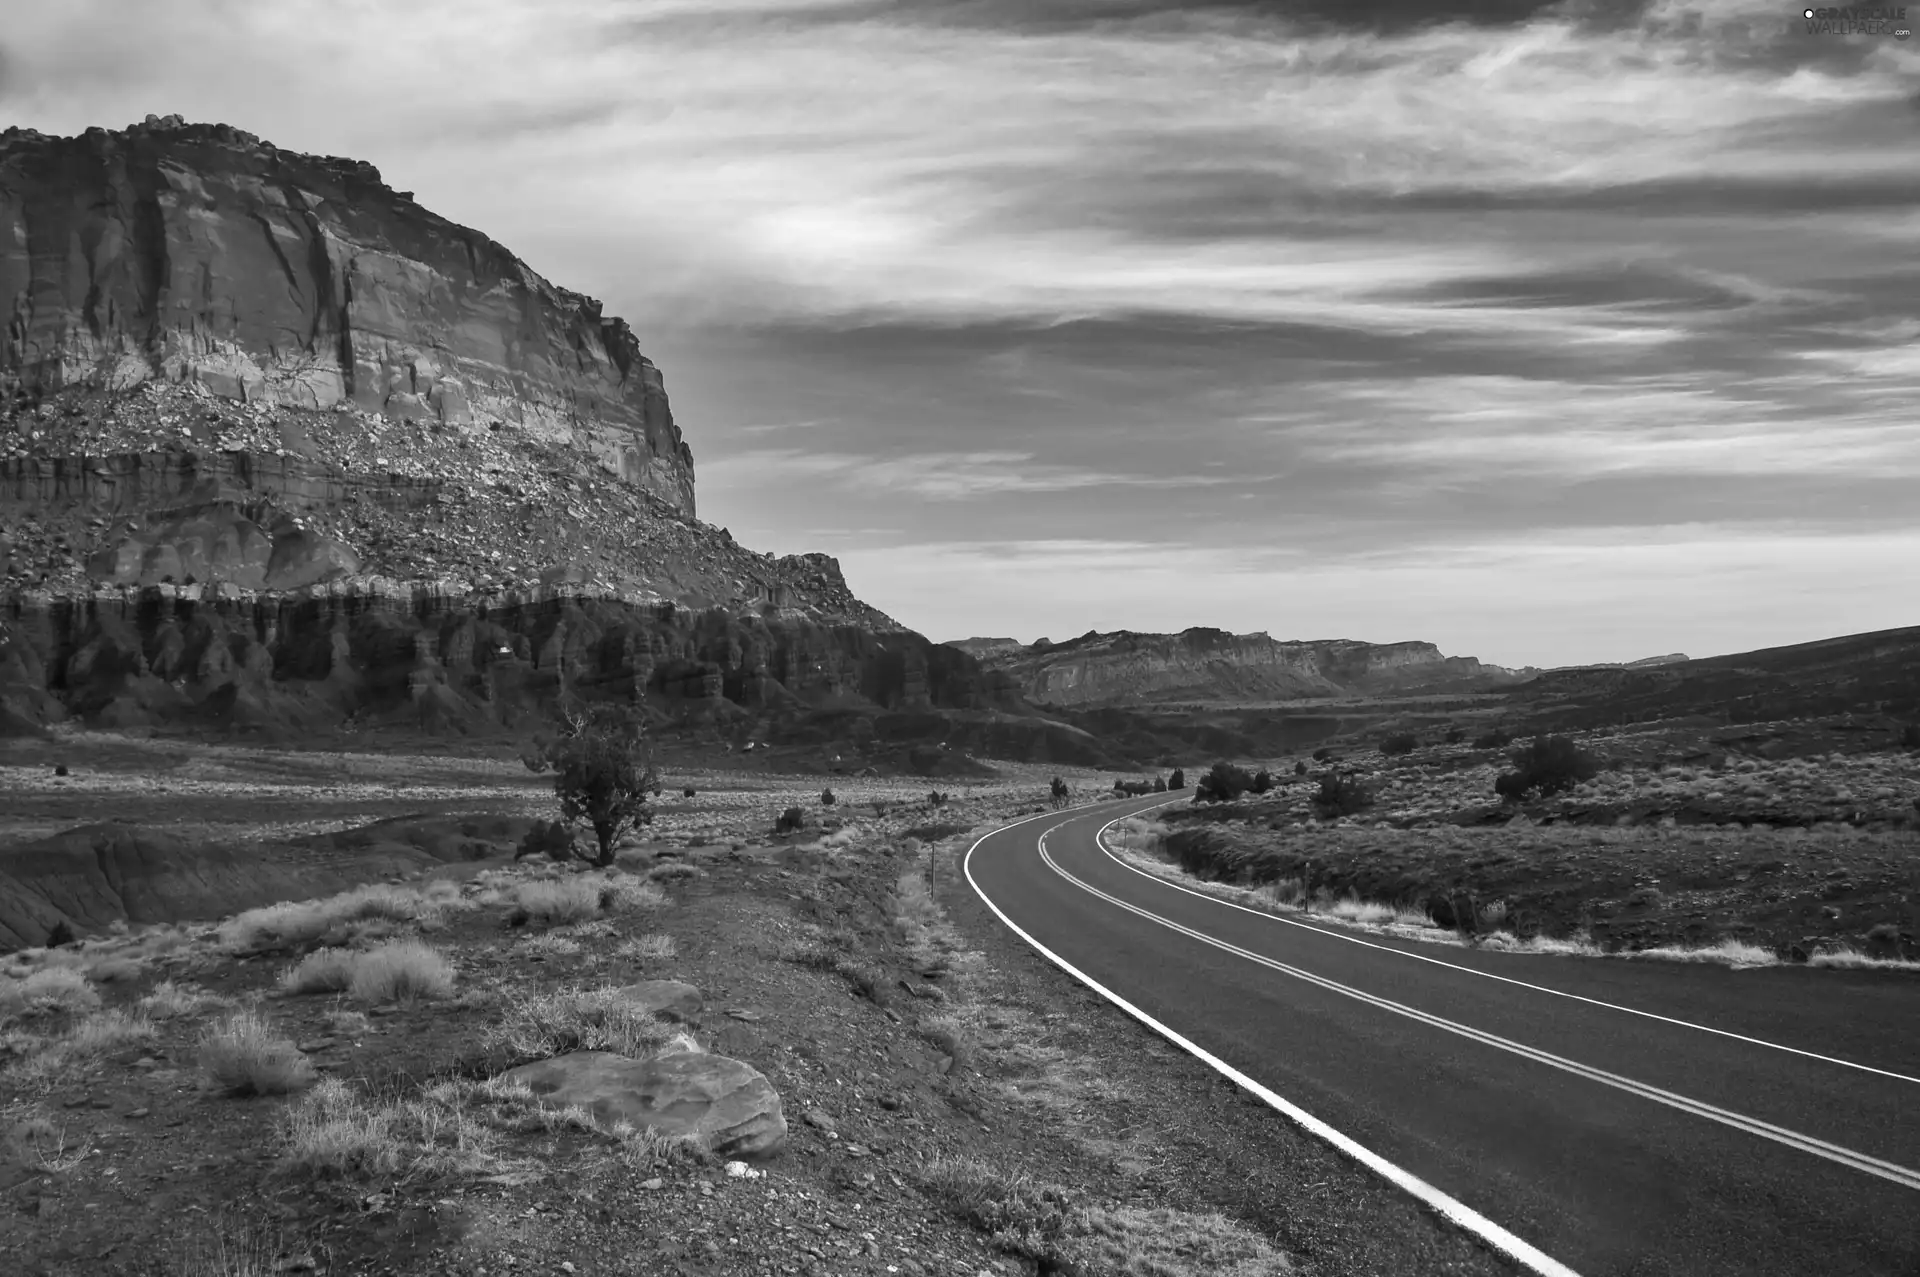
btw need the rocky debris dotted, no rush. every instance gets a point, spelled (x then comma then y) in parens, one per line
(272, 277)
(728, 1102)
(669, 999)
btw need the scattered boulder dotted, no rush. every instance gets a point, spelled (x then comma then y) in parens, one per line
(728, 1102)
(669, 999)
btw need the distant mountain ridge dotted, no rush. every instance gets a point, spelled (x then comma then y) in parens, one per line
(1125, 667)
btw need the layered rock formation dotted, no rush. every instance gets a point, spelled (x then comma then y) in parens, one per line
(200, 253)
(1212, 665)
(281, 450)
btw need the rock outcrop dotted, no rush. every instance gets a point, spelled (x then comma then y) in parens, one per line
(282, 451)
(1212, 665)
(200, 253)
(727, 1104)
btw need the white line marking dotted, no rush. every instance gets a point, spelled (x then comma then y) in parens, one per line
(1457, 1212)
(1485, 975)
(1890, 1171)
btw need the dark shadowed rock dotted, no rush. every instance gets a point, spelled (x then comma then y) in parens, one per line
(729, 1103)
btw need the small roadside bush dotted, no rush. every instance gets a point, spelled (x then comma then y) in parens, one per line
(1300, 767)
(1455, 735)
(1548, 765)
(1159, 784)
(1322, 755)
(792, 820)
(1492, 740)
(1910, 736)
(554, 903)
(688, 792)
(1341, 794)
(1262, 781)
(826, 797)
(1400, 743)
(1178, 780)
(1223, 783)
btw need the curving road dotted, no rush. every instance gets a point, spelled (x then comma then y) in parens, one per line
(1592, 1116)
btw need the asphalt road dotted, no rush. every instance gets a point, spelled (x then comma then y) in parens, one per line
(1706, 1121)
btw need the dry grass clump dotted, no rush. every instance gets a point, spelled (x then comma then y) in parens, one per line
(674, 871)
(40, 1144)
(45, 992)
(1058, 1228)
(96, 1035)
(559, 902)
(244, 1056)
(1847, 958)
(651, 947)
(338, 919)
(334, 1131)
(1730, 952)
(401, 970)
(539, 1025)
(549, 944)
(645, 1149)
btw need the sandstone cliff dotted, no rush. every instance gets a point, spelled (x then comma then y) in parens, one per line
(281, 451)
(200, 253)
(1212, 665)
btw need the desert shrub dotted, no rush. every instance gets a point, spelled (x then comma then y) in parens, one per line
(170, 1001)
(1322, 755)
(624, 895)
(1178, 780)
(790, 821)
(549, 838)
(1262, 781)
(1910, 736)
(401, 971)
(603, 771)
(60, 769)
(53, 989)
(936, 798)
(1399, 743)
(1341, 794)
(61, 934)
(544, 1023)
(1546, 766)
(322, 971)
(1492, 740)
(826, 797)
(556, 903)
(244, 1056)
(673, 871)
(1223, 783)
(1300, 767)
(1455, 735)
(1159, 784)
(688, 792)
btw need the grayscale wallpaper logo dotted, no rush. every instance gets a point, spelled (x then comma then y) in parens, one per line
(1859, 20)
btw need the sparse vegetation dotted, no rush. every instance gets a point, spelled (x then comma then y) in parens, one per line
(1178, 780)
(244, 1056)
(1493, 740)
(604, 774)
(826, 797)
(1223, 783)
(1398, 744)
(792, 820)
(402, 971)
(537, 1025)
(1061, 1230)
(1547, 766)
(1341, 794)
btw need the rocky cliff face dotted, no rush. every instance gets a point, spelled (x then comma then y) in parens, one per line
(1212, 665)
(200, 253)
(282, 451)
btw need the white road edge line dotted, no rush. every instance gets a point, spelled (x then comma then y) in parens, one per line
(1892, 1172)
(1485, 975)
(1456, 1212)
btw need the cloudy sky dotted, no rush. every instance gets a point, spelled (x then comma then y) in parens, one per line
(1546, 332)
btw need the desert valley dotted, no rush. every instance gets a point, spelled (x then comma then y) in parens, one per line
(321, 515)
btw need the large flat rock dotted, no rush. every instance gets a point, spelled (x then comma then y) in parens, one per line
(729, 1102)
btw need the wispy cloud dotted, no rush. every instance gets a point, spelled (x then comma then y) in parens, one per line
(941, 476)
